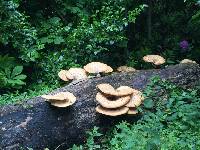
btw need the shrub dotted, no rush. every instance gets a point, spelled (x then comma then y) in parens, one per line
(10, 73)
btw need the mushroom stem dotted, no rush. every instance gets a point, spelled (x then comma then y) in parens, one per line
(98, 75)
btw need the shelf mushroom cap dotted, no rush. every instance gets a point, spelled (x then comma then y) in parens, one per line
(112, 112)
(124, 90)
(97, 67)
(109, 69)
(125, 69)
(58, 97)
(109, 90)
(76, 74)
(62, 99)
(136, 99)
(106, 103)
(62, 75)
(132, 111)
(187, 61)
(155, 59)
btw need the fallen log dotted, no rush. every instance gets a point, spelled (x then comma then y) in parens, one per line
(36, 124)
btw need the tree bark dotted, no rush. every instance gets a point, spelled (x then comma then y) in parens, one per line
(38, 125)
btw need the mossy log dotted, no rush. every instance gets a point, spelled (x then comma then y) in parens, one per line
(37, 125)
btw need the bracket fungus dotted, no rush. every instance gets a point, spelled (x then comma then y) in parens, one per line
(62, 99)
(124, 90)
(155, 59)
(125, 69)
(62, 75)
(112, 112)
(109, 90)
(109, 69)
(106, 89)
(114, 102)
(187, 61)
(76, 74)
(72, 74)
(136, 99)
(97, 68)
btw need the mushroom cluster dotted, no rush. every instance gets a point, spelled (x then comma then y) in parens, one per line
(72, 74)
(114, 102)
(82, 73)
(62, 99)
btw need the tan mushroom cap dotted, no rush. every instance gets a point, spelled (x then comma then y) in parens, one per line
(109, 69)
(132, 111)
(118, 102)
(136, 99)
(124, 90)
(109, 90)
(112, 112)
(125, 69)
(155, 59)
(97, 67)
(187, 61)
(62, 99)
(59, 96)
(76, 74)
(62, 75)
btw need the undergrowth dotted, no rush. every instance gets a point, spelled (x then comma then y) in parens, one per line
(18, 96)
(171, 121)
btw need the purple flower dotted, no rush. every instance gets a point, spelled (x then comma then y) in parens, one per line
(184, 44)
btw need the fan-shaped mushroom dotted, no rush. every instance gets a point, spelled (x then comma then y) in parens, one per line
(136, 99)
(114, 103)
(76, 74)
(112, 112)
(155, 59)
(187, 61)
(109, 90)
(62, 75)
(72, 74)
(62, 99)
(124, 90)
(97, 68)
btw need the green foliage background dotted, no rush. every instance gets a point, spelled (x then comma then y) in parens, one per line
(41, 37)
(38, 38)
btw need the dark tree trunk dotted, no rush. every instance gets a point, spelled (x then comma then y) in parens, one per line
(37, 125)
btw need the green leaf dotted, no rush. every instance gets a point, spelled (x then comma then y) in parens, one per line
(54, 20)
(148, 103)
(20, 77)
(20, 82)
(8, 72)
(16, 71)
(58, 40)
(10, 81)
(44, 40)
(6, 62)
